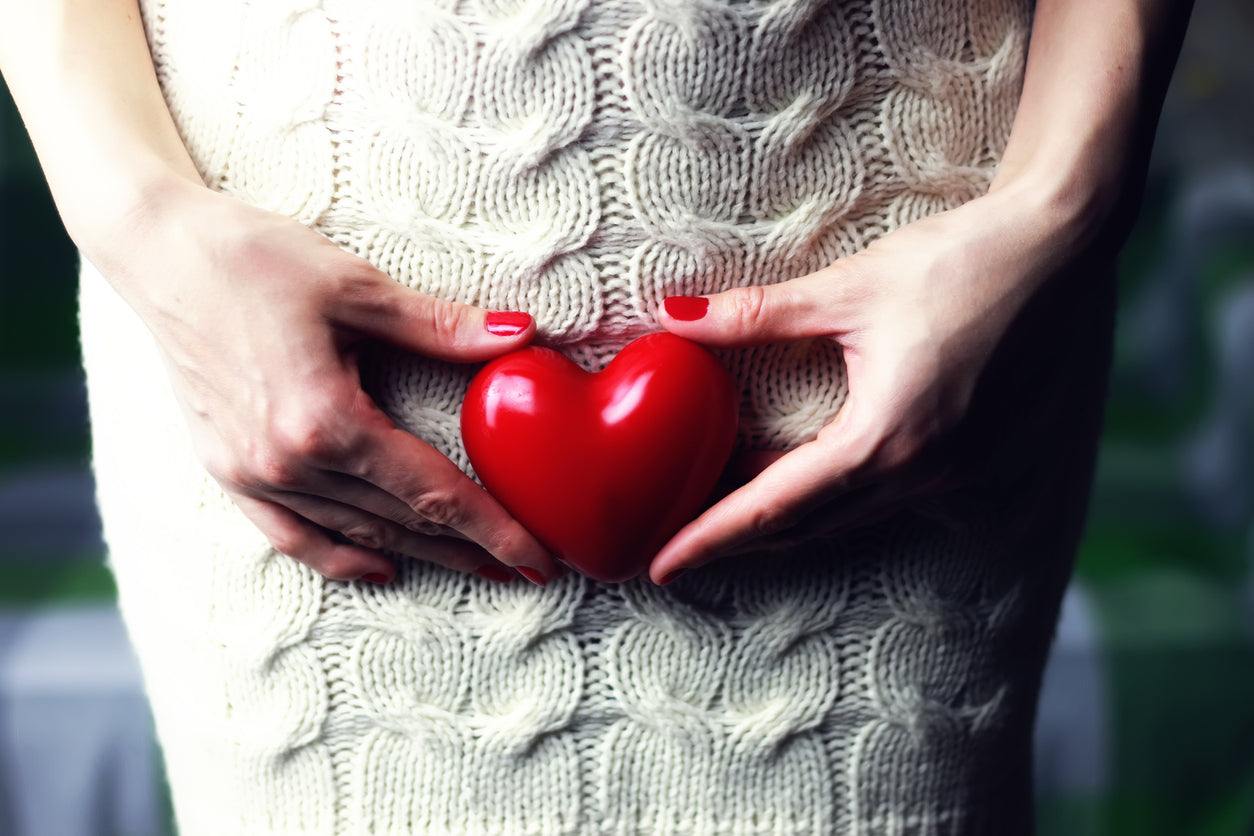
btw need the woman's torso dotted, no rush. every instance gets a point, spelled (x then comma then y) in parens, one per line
(580, 161)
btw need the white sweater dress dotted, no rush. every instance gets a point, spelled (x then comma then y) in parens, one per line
(581, 160)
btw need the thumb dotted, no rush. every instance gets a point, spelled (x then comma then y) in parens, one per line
(778, 498)
(434, 327)
(744, 316)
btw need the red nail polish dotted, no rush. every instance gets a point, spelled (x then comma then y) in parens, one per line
(686, 308)
(672, 576)
(506, 323)
(376, 577)
(532, 575)
(497, 574)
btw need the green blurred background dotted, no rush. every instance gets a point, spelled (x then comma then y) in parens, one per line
(1148, 715)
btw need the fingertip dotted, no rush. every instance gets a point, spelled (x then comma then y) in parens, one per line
(450, 330)
(672, 576)
(686, 308)
(688, 317)
(500, 332)
(336, 558)
(377, 578)
(516, 547)
(716, 319)
(749, 315)
(347, 562)
(676, 558)
(540, 570)
(509, 323)
(534, 575)
(327, 553)
(673, 570)
(497, 573)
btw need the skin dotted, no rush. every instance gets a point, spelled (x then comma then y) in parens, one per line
(924, 312)
(304, 452)
(281, 422)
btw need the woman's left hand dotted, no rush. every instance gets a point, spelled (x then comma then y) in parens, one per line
(918, 316)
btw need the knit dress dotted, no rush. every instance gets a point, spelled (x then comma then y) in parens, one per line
(581, 160)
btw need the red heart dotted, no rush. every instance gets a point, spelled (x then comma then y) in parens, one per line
(603, 468)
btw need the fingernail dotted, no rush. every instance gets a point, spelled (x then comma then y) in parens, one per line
(672, 576)
(506, 323)
(376, 577)
(498, 574)
(686, 308)
(532, 575)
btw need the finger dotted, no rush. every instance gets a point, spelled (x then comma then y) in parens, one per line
(841, 459)
(928, 494)
(379, 534)
(356, 493)
(437, 491)
(456, 555)
(359, 441)
(810, 306)
(428, 325)
(746, 466)
(742, 468)
(305, 542)
(855, 509)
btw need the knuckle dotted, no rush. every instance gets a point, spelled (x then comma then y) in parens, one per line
(252, 248)
(291, 542)
(358, 288)
(439, 508)
(770, 519)
(305, 437)
(250, 469)
(748, 307)
(319, 432)
(368, 533)
(228, 471)
(337, 567)
(426, 528)
(510, 544)
(360, 285)
(267, 468)
(283, 454)
(446, 319)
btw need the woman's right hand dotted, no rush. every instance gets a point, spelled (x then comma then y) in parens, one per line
(261, 321)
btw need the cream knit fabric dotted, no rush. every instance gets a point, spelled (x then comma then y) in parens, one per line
(581, 160)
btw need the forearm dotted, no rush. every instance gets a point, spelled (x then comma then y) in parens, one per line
(83, 80)
(1094, 85)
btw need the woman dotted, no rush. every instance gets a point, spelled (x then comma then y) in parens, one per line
(894, 220)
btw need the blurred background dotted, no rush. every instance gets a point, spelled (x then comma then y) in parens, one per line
(1147, 717)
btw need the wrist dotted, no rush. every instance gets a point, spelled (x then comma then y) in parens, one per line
(1071, 203)
(1080, 144)
(108, 221)
(1034, 227)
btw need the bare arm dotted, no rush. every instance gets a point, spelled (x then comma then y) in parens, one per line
(258, 318)
(84, 83)
(1096, 77)
(920, 312)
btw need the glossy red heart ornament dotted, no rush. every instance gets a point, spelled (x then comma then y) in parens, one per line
(603, 468)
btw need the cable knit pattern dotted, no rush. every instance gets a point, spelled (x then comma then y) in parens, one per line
(580, 160)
